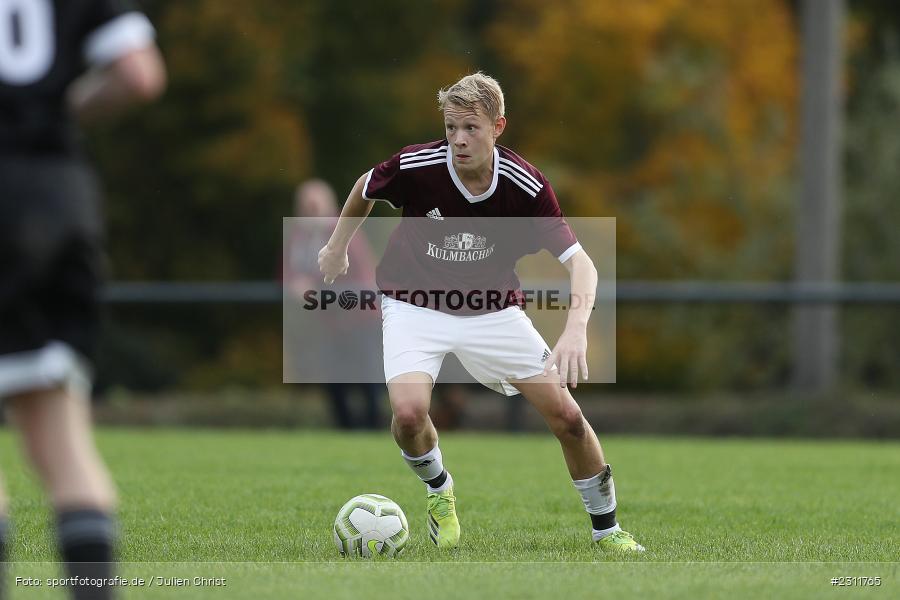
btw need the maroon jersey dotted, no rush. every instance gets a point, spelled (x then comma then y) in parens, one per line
(452, 245)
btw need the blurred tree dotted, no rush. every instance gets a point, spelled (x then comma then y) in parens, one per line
(197, 185)
(261, 96)
(871, 246)
(676, 117)
(369, 86)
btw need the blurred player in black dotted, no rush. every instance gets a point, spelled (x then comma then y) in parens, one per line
(61, 61)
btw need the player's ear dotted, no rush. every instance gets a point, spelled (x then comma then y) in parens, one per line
(499, 126)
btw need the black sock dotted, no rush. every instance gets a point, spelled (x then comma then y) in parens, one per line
(604, 521)
(86, 540)
(4, 538)
(4, 549)
(439, 480)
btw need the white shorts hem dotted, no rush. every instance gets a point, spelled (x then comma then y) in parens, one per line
(388, 378)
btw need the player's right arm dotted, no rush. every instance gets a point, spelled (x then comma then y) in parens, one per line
(333, 260)
(383, 182)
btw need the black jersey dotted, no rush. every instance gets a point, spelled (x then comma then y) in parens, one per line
(44, 46)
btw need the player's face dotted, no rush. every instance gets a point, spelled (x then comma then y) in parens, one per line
(471, 135)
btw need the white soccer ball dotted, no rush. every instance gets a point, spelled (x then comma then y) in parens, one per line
(370, 524)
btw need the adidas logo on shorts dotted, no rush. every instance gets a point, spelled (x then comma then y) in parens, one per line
(434, 213)
(546, 355)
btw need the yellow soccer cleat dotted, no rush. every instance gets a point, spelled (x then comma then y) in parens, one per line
(443, 526)
(620, 542)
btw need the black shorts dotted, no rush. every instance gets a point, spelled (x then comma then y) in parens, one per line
(51, 260)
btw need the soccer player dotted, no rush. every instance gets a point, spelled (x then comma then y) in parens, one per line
(469, 176)
(60, 61)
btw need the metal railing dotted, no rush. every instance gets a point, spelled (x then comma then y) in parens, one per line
(270, 292)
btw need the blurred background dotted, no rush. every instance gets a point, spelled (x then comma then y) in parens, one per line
(747, 148)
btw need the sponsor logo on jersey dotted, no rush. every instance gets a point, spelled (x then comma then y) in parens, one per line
(465, 241)
(435, 213)
(461, 247)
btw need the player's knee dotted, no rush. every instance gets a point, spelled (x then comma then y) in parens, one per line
(569, 423)
(409, 421)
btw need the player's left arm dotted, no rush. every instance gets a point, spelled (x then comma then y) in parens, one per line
(570, 353)
(136, 78)
(126, 67)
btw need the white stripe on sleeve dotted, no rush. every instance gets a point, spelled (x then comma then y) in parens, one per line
(366, 187)
(113, 40)
(518, 181)
(570, 252)
(528, 176)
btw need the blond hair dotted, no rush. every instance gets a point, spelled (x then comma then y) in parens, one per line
(473, 90)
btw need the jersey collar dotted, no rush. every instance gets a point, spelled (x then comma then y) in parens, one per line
(459, 184)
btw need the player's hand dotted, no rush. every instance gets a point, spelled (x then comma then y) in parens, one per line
(297, 286)
(333, 263)
(570, 358)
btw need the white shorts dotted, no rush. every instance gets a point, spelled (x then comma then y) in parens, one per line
(493, 348)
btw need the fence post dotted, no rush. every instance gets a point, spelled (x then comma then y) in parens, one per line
(818, 215)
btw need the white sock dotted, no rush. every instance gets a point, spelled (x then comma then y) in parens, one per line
(448, 483)
(428, 466)
(599, 496)
(598, 493)
(602, 533)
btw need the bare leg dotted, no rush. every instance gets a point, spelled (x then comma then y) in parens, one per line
(580, 447)
(415, 434)
(584, 457)
(56, 434)
(410, 396)
(4, 539)
(4, 536)
(4, 501)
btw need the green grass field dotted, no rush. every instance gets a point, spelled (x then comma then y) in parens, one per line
(746, 518)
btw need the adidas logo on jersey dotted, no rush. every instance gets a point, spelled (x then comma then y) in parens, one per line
(434, 213)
